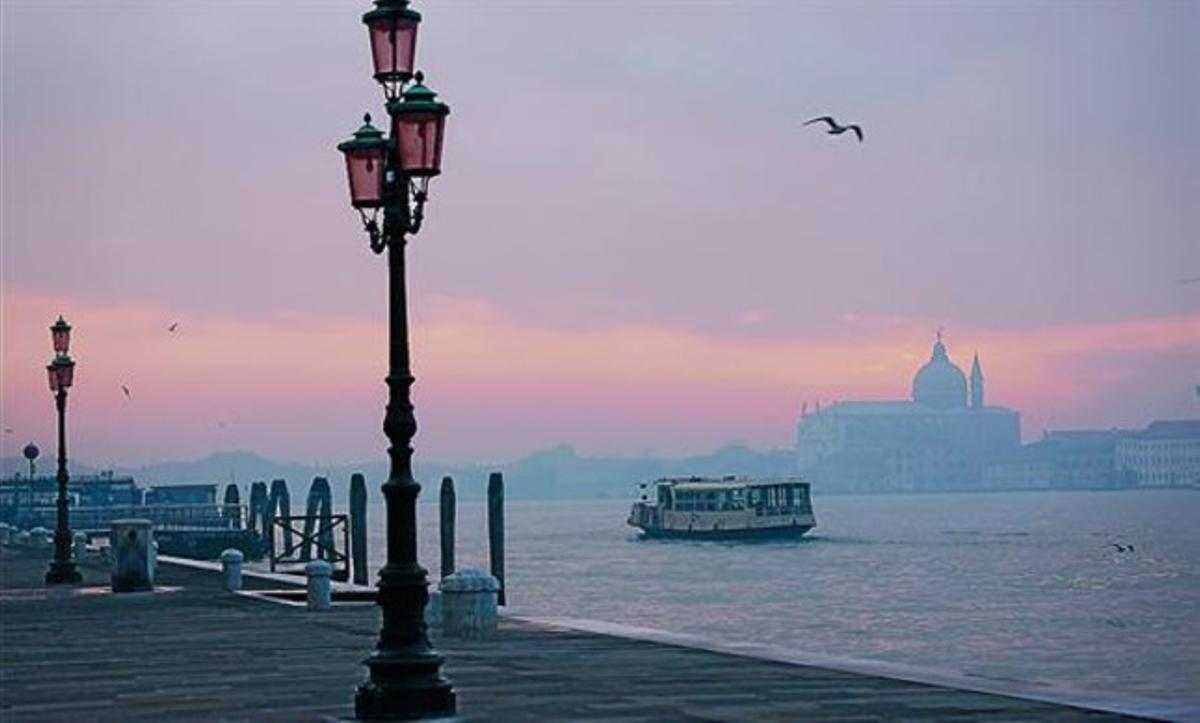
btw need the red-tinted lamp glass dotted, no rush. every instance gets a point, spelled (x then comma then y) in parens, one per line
(393, 47)
(366, 156)
(419, 143)
(61, 372)
(366, 173)
(60, 334)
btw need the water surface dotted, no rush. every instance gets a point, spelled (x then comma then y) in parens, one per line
(1023, 586)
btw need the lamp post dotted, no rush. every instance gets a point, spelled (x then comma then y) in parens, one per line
(390, 175)
(31, 453)
(61, 373)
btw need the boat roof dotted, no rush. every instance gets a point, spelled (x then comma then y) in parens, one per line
(727, 483)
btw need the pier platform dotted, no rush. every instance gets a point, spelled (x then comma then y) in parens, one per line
(191, 651)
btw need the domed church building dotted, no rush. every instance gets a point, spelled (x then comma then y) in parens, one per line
(940, 440)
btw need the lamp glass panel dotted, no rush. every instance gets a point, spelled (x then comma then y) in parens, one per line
(393, 47)
(419, 141)
(61, 337)
(66, 375)
(365, 169)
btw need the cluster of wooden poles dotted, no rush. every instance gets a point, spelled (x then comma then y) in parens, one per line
(268, 503)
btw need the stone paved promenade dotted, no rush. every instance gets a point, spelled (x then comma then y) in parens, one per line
(197, 653)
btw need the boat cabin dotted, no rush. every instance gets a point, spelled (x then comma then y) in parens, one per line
(765, 498)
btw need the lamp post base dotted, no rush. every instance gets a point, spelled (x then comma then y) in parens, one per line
(63, 572)
(392, 693)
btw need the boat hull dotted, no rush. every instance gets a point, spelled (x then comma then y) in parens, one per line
(755, 533)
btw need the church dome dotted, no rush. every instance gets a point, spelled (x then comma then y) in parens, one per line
(940, 384)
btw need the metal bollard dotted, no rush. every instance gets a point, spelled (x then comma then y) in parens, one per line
(231, 569)
(80, 542)
(320, 589)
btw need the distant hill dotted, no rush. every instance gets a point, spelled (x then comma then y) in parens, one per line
(555, 473)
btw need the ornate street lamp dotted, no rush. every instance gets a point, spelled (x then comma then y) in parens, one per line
(61, 374)
(393, 31)
(391, 175)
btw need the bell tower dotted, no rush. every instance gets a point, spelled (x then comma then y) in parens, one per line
(976, 384)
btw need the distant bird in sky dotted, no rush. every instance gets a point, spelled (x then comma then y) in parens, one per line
(8, 430)
(835, 129)
(126, 390)
(173, 327)
(1122, 548)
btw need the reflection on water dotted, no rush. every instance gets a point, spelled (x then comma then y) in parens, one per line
(1019, 586)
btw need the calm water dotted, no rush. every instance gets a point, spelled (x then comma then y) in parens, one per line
(1022, 586)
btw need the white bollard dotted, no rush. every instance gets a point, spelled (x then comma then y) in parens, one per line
(320, 589)
(80, 545)
(231, 568)
(469, 600)
(39, 538)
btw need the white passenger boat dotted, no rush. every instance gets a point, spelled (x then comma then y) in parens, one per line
(723, 508)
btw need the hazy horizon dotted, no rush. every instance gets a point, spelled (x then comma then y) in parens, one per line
(635, 246)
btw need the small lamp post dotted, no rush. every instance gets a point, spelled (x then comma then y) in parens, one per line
(391, 175)
(61, 374)
(31, 453)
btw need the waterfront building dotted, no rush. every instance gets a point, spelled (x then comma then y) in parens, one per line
(19, 495)
(1164, 454)
(188, 494)
(940, 439)
(1067, 459)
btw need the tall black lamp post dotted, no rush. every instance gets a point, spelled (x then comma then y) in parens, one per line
(390, 175)
(61, 371)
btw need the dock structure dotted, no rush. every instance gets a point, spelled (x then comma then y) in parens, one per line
(191, 650)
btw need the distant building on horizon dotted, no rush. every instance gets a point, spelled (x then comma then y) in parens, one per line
(1062, 460)
(941, 439)
(1164, 454)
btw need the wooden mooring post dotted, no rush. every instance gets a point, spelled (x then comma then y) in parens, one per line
(279, 505)
(258, 507)
(232, 511)
(317, 518)
(448, 510)
(358, 528)
(495, 514)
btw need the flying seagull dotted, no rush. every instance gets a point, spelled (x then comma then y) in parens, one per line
(835, 129)
(173, 327)
(126, 390)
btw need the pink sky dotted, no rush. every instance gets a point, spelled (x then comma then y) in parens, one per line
(635, 246)
(490, 387)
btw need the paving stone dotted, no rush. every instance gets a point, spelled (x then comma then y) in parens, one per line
(200, 653)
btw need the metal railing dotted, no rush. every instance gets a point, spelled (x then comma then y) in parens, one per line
(301, 533)
(163, 517)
